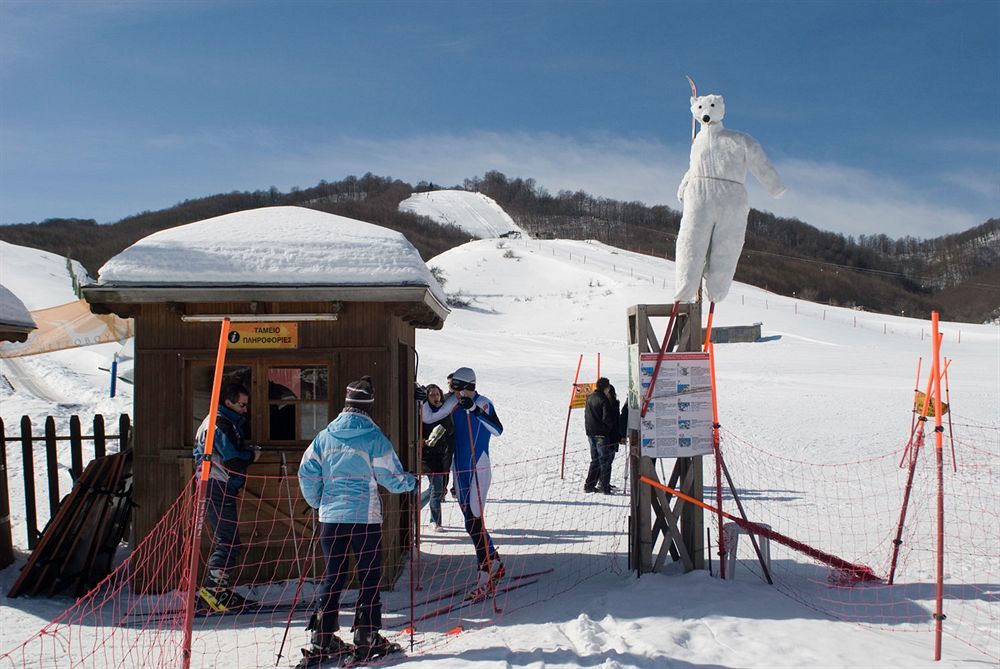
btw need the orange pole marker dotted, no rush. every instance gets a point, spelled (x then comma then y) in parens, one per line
(569, 412)
(188, 577)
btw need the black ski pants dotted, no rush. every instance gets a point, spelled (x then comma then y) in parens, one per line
(365, 541)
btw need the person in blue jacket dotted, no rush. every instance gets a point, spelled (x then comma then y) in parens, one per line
(339, 477)
(231, 455)
(475, 420)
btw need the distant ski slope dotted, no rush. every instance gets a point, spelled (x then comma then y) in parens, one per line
(475, 213)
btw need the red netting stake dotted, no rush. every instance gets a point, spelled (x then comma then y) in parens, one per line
(916, 444)
(659, 359)
(569, 412)
(189, 576)
(708, 327)
(947, 400)
(718, 456)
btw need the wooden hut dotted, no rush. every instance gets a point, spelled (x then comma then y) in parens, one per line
(316, 301)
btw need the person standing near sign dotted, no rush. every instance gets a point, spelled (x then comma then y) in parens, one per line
(601, 424)
(231, 456)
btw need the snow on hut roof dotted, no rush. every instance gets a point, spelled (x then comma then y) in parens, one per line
(282, 251)
(273, 245)
(13, 313)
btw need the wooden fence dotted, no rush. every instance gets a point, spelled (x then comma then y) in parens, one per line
(51, 440)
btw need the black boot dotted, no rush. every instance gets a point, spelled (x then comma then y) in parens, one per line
(326, 649)
(370, 645)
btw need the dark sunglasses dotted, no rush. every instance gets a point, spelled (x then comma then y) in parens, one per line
(461, 385)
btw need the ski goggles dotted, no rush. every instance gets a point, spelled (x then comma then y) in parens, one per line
(455, 384)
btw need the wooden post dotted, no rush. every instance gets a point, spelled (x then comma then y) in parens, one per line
(687, 544)
(75, 447)
(28, 472)
(100, 443)
(124, 431)
(6, 539)
(52, 465)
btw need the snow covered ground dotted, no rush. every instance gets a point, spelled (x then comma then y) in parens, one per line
(825, 386)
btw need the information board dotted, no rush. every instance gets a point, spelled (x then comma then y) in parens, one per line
(678, 422)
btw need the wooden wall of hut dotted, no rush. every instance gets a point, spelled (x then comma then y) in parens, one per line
(371, 339)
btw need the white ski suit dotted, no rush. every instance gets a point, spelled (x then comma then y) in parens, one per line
(714, 222)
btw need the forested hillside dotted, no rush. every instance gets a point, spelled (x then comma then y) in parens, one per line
(959, 274)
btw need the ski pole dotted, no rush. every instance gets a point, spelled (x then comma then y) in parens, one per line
(482, 510)
(298, 586)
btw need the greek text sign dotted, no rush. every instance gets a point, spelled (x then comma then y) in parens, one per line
(264, 335)
(678, 422)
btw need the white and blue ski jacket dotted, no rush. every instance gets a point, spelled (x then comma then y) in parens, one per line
(343, 466)
(471, 464)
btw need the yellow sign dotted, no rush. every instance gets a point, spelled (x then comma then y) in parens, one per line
(264, 335)
(918, 405)
(580, 393)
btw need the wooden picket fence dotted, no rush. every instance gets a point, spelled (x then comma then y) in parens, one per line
(100, 440)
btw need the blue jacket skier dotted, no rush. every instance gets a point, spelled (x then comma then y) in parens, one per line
(476, 420)
(339, 477)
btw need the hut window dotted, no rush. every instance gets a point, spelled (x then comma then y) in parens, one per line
(298, 402)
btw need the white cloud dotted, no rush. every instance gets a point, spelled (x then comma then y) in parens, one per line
(826, 195)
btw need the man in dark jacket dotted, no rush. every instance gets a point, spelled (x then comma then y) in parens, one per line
(231, 455)
(601, 423)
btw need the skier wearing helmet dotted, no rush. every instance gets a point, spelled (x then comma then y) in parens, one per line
(476, 421)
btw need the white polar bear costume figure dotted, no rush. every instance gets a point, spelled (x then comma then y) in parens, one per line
(714, 222)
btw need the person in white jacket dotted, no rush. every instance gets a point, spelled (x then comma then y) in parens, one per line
(714, 222)
(339, 477)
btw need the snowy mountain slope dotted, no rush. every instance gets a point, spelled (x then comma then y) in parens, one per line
(39, 278)
(475, 213)
(826, 385)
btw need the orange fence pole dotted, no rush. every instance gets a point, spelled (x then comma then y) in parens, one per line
(947, 400)
(716, 446)
(569, 412)
(188, 577)
(938, 448)
(708, 327)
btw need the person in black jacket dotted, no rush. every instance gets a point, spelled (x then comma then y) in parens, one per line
(436, 455)
(601, 424)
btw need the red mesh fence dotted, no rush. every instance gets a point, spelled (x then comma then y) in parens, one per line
(852, 510)
(135, 617)
(551, 537)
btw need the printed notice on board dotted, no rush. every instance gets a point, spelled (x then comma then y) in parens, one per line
(264, 335)
(678, 423)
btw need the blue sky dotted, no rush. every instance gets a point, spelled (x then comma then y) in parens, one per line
(881, 117)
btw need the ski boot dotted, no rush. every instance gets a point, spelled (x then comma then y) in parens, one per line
(215, 596)
(489, 575)
(369, 645)
(325, 651)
